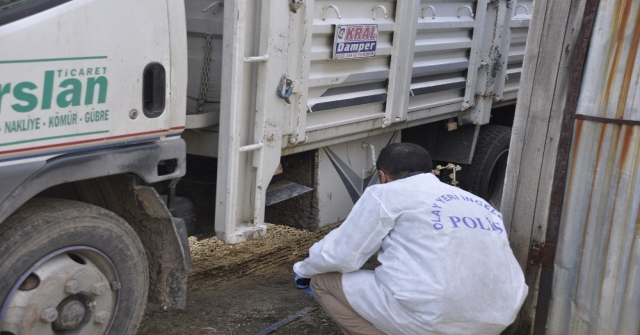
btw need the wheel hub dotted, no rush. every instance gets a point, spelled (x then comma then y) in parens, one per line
(71, 314)
(67, 292)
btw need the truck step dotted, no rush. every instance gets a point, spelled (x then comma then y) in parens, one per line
(284, 190)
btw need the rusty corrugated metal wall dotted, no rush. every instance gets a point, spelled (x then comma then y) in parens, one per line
(596, 283)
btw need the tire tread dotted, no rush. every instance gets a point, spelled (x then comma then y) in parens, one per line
(490, 136)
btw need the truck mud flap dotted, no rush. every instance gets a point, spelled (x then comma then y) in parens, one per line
(283, 190)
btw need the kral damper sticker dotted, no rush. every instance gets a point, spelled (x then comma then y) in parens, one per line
(355, 41)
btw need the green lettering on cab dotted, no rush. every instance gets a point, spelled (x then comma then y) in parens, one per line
(28, 98)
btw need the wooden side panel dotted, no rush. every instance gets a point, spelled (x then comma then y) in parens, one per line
(532, 157)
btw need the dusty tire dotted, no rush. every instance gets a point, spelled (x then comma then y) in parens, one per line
(484, 177)
(85, 255)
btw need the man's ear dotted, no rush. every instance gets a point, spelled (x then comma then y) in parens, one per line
(384, 178)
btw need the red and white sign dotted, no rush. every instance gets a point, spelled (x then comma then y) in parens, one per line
(355, 41)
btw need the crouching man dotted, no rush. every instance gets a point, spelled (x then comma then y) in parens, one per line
(446, 265)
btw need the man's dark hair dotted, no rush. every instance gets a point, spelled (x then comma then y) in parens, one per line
(399, 159)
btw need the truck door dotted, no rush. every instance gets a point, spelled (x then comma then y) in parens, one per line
(82, 74)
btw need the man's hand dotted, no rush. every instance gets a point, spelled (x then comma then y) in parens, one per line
(303, 284)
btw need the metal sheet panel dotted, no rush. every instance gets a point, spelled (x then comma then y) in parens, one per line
(596, 286)
(344, 171)
(337, 86)
(518, 31)
(445, 54)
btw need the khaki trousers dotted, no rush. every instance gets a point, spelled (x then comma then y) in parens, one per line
(327, 289)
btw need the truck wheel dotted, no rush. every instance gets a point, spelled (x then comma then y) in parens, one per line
(67, 267)
(484, 177)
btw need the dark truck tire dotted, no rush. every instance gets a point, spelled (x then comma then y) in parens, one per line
(78, 268)
(485, 175)
(184, 209)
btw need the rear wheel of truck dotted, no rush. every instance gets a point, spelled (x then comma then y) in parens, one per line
(484, 177)
(68, 267)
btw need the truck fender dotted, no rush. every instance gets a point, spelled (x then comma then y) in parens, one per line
(164, 239)
(24, 181)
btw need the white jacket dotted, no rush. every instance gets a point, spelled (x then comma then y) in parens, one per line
(446, 265)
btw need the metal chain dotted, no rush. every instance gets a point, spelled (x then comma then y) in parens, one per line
(451, 167)
(206, 69)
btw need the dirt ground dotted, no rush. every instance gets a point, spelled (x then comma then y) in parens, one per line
(242, 289)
